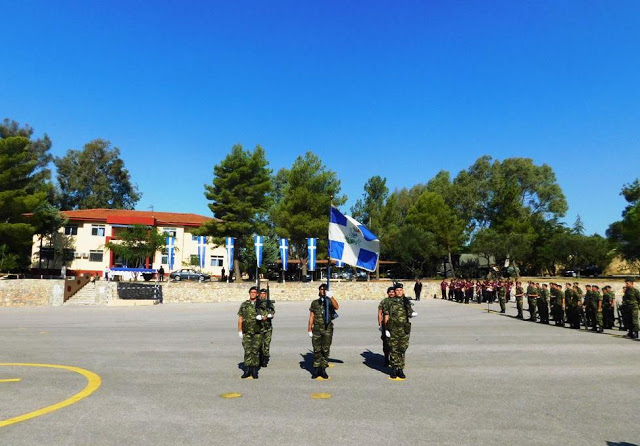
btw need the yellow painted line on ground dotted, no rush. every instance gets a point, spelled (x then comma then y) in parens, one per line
(331, 365)
(93, 383)
(321, 396)
(10, 380)
(231, 395)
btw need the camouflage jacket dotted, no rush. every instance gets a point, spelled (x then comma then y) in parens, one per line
(397, 312)
(631, 296)
(318, 309)
(608, 299)
(249, 312)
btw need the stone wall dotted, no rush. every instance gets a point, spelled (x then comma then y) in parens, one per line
(31, 292)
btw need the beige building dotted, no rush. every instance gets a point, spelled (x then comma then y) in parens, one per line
(80, 245)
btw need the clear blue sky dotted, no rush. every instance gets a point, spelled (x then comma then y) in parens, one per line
(398, 89)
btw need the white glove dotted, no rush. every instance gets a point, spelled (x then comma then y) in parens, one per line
(269, 316)
(240, 334)
(414, 314)
(329, 294)
(259, 317)
(387, 334)
(310, 334)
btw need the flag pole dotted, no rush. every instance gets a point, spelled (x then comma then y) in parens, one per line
(329, 245)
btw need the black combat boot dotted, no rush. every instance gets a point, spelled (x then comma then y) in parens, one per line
(401, 374)
(316, 372)
(393, 374)
(254, 372)
(634, 335)
(265, 361)
(247, 373)
(386, 361)
(323, 373)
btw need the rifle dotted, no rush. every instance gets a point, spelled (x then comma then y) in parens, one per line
(620, 319)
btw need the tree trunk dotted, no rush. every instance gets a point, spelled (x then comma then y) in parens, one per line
(304, 263)
(236, 269)
(40, 256)
(453, 271)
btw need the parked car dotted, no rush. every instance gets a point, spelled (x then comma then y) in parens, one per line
(189, 274)
(569, 273)
(591, 271)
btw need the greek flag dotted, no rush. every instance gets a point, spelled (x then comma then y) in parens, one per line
(202, 250)
(311, 251)
(284, 253)
(351, 242)
(258, 242)
(229, 243)
(171, 249)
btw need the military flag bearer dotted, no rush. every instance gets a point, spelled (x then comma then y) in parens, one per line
(250, 317)
(320, 328)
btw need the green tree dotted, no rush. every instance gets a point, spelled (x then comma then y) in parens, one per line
(23, 188)
(303, 208)
(241, 196)
(414, 249)
(368, 209)
(625, 233)
(137, 243)
(47, 220)
(95, 177)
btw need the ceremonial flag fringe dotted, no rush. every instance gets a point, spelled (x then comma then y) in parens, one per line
(351, 242)
(312, 244)
(284, 253)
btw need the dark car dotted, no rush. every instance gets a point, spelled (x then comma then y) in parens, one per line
(569, 273)
(591, 271)
(189, 274)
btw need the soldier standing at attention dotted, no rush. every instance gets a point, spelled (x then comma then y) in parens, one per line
(320, 330)
(596, 303)
(250, 317)
(608, 304)
(519, 299)
(557, 304)
(502, 292)
(417, 289)
(267, 326)
(532, 296)
(391, 293)
(589, 313)
(398, 329)
(443, 288)
(543, 304)
(630, 301)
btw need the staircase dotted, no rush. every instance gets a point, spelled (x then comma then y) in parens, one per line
(85, 296)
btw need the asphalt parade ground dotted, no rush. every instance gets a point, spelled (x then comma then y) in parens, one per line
(169, 375)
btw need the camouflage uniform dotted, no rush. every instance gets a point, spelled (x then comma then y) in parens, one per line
(596, 302)
(630, 302)
(557, 309)
(532, 297)
(267, 327)
(251, 333)
(502, 292)
(384, 303)
(400, 329)
(519, 300)
(608, 304)
(322, 334)
(543, 305)
(590, 313)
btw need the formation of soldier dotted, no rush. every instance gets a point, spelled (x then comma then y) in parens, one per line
(593, 308)
(255, 328)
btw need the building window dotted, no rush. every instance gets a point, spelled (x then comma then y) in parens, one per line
(164, 259)
(217, 261)
(71, 230)
(98, 230)
(170, 232)
(46, 254)
(68, 255)
(95, 256)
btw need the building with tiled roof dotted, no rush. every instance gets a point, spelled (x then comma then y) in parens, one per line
(80, 245)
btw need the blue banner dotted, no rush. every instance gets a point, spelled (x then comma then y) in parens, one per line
(171, 249)
(311, 252)
(284, 253)
(230, 246)
(258, 242)
(202, 250)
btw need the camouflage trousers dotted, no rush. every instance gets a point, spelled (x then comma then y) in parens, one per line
(267, 333)
(321, 342)
(519, 305)
(608, 316)
(594, 318)
(252, 343)
(558, 313)
(399, 343)
(386, 348)
(543, 310)
(503, 306)
(533, 303)
(630, 316)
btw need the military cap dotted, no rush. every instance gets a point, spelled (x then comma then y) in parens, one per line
(323, 286)
(398, 285)
(390, 289)
(595, 286)
(263, 290)
(629, 279)
(253, 288)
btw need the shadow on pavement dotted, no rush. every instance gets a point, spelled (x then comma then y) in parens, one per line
(374, 361)
(307, 362)
(622, 443)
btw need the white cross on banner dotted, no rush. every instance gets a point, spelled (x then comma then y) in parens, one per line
(230, 245)
(284, 253)
(311, 251)
(202, 249)
(171, 245)
(258, 241)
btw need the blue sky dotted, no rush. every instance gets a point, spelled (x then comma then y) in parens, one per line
(398, 89)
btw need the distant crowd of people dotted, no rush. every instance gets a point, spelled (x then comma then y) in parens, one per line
(592, 307)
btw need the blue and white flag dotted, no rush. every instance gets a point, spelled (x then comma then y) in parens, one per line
(339, 263)
(284, 253)
(229, 246)
(258, 242)
(171, 249)
(202, 250)
(351, 242)
(312, 244)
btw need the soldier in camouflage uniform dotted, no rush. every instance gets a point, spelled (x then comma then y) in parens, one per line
(596, 305)
(572, 312)
(532, 297)
(502, 292)
(519, 299)
(589, 313)
(630, 302)
(267, 326)
(543, 304)
(320, 330)
(250, 319)
(396, 318)
(557, 304)
(391, 293)
(608, 306)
